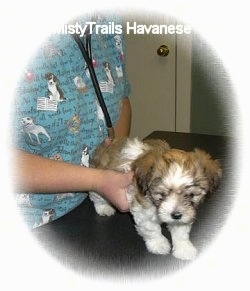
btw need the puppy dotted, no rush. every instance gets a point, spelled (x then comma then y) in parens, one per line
(80, 85)
(29, 127)
(108, 72)
(168, 186)
(54, 91)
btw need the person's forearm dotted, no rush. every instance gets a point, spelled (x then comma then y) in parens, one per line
(122, 128)
(35, 174)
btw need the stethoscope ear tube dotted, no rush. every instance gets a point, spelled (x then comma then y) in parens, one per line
(88, 59)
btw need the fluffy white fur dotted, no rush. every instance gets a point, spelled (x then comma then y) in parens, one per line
(168, 186)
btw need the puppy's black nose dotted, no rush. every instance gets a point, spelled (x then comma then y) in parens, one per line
(176, 215)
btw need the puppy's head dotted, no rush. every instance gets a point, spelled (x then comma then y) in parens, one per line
(106, 66)
(51, 78)
(118, 40)
(27, 121)
(176, 182)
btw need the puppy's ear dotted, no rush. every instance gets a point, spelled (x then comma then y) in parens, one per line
(212, 168)
(143, 169)
(47, 75)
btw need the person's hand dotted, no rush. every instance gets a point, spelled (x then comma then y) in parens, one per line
(112, 186)
(108, 141)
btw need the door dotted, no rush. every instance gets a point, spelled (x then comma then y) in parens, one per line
(153, 78)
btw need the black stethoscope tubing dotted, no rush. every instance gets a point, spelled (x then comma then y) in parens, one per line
(87, 54)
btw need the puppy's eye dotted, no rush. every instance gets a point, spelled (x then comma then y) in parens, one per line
(189, 196)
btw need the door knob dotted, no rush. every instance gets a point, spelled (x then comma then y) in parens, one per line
(163, 50)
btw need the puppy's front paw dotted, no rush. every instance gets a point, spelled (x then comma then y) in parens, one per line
(184, 251)
(158, 246)
(104, 209)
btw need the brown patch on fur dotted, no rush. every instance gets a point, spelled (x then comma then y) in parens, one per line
(211, 168)
(106, 157)
(175, 155)
(146, 168)
(158, 144)
(143, 170)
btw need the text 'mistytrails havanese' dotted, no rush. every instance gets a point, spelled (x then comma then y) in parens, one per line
(168, 186)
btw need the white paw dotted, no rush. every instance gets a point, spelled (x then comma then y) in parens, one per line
(184, 251)
(104, 209)
(158, 246)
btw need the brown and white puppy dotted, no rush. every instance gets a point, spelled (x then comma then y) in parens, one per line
(168, 186)
(54, 91)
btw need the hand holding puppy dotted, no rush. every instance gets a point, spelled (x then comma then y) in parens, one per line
(112, 185)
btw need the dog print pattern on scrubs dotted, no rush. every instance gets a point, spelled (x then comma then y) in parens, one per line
(57, 114)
